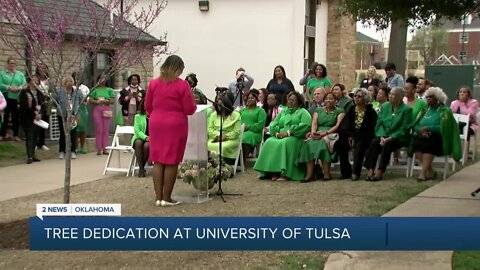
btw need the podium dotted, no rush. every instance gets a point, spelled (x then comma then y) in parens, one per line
(193, 184)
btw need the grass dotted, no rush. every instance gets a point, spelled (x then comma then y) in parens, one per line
(466, 260)
(384, 202)
(304, 261)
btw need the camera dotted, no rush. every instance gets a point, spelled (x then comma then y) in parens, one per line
(240, 79)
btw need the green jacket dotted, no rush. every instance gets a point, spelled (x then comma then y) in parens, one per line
(452, 146)
(140, 127)
(396, 125)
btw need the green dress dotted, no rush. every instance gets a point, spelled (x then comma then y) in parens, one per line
(318, 149)
(231, 129)
(255, 121)
(279, 155)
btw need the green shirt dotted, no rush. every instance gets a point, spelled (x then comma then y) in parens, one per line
(315, 83)
(106, 93)
(11, 79)
(431, 120)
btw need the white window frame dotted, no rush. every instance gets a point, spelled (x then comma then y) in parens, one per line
(461, 56)
(463, 38)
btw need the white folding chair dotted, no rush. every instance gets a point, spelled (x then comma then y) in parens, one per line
(258, 147)
(446, 162)
(465, 119)
(119, 148)
(402, 158)
(239, 154)
(135, 166)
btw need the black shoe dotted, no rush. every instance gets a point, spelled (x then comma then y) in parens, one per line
(29, 160)
(375, 179)
(35, 159)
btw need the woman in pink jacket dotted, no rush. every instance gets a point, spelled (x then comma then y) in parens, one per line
(465, 104)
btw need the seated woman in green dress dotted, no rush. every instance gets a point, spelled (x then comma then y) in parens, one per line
(253, 119)
(435, 133)
(321, 139)
(411, 100)
(279, 153)
(392, 132)
(140, 140)
(231, 129)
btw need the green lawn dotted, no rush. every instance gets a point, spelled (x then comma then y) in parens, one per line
(466, 260)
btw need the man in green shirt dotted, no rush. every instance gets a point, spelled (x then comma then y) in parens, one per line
(11, 82)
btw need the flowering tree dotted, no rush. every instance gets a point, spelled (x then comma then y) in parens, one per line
(66, 35)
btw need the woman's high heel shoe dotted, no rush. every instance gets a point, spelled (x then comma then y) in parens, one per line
(158, 203)
(165, 203)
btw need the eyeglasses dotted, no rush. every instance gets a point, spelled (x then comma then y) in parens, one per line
(358, 96)
(429, 97)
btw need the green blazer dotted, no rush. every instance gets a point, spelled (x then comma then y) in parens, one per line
(396, 125)
(140, 127)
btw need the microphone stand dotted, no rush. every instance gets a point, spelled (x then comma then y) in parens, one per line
(476, 193)
(220, 175)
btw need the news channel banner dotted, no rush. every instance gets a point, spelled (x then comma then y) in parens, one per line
(101, 227)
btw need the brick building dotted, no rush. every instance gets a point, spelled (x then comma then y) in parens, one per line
(464, 38)
(368, 51)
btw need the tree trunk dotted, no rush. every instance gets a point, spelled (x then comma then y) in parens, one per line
(68, 154)
(398, 45)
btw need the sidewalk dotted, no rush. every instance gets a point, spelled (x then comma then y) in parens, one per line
(27, 179)
(448, 199)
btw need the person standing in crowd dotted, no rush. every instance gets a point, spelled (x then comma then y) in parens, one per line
(240, 86)
(341, 95)
(3, 105)
(435, 133)
(82, 114)
(168, 102)
(371, 79)
(466, 104)
(393, 78)
(272, 109)
(319, 80)
(279, 84)
(319, 94)
(31, 101)
(422, 86)
(321, 139)
(230, 132)
(130, 97)
(392, 132)
(382, 97)
(356, 133)
(308, 75)
(42, 74)
(262, 97)
(279, 153)
(102, 97)
(140, 139)
(373, 92)
(68, 98)
(253, 118)
(11, 82)
(411, 100)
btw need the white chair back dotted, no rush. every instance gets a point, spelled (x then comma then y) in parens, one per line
(465, 119)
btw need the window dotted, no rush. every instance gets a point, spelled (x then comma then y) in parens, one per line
(463, 38)
(462, 55)
(467, 19)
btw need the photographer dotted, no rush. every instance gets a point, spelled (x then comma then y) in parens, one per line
(240, 86)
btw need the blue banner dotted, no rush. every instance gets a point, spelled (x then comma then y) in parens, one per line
(254, 233)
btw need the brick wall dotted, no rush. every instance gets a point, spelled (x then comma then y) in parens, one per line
(341, 40)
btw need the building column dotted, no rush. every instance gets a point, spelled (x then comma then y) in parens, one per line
(341, 40)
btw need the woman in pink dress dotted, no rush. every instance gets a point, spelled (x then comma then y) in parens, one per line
(168, 103)
(466, 104)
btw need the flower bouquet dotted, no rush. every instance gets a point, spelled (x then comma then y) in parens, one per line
(192, 172)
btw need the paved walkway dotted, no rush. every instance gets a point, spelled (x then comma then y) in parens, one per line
(448, 198)
(26, 179)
